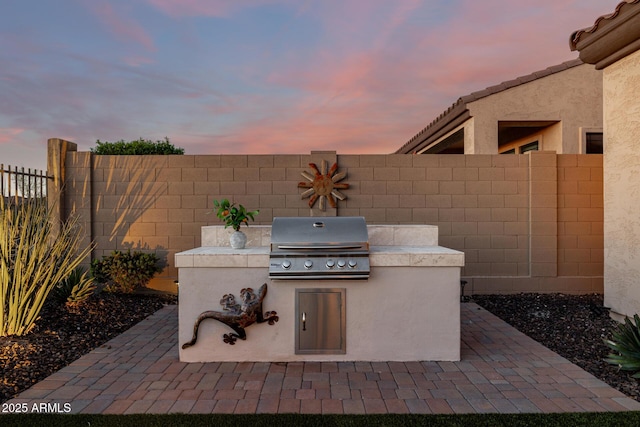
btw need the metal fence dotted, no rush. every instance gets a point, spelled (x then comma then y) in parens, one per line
(20, 184)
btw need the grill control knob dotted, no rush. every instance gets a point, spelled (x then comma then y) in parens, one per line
(286, 264)
(341, 263)
(352, 263)
(308, 264)
(330, 263)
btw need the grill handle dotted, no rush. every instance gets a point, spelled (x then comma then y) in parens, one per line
(303, 248)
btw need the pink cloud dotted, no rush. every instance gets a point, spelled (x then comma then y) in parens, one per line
(370, 97)
(370, 81)
(219, 8)
(8, 135)
(396, 19)
(352, 123)
(137, 61)
(375, 99)
(121, 25)
(485, 43)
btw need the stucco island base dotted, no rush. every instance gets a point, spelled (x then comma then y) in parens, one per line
(408, 310)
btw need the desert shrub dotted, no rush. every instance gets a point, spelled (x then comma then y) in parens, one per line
(33, 259)
(76, 288)
(138, 147)
(125, 271)
(626, 344)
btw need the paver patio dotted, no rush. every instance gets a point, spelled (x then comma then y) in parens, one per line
(501, 371)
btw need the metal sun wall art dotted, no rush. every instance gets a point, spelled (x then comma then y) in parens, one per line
(237, 316)
(323, 185)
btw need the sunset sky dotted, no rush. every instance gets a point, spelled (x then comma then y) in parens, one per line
(261, 76)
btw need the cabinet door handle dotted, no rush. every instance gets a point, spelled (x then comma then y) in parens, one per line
(304, 321)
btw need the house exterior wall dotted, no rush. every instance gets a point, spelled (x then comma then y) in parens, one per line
(469, 136)
(573, 97)
(622, 193)
(526, 223)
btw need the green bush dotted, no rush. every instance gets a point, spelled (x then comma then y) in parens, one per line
(626, 343)
(33, 259)
(139, 147)
(125, 271)
(76, 288)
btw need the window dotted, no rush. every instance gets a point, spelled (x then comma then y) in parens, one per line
(532, 146)
(512, 151)
(595, 143)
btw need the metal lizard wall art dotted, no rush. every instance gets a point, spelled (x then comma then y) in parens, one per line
(237, 316)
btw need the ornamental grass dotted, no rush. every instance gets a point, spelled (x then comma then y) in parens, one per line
(33, 260)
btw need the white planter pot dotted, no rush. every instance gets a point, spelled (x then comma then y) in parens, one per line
(238, 240)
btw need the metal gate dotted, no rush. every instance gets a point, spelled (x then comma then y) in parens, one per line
(20, 184)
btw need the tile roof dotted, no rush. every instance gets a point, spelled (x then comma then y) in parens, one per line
(601, 22)
(460, 106)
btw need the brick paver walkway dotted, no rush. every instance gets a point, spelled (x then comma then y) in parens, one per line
(502, 370)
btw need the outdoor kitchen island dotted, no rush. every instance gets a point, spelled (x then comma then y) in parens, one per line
(407, 310)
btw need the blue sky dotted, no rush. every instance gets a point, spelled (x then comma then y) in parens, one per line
(261, 76)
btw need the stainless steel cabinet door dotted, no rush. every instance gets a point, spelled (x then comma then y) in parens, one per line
(320, 324)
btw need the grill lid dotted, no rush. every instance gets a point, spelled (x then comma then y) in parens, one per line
(319, 233)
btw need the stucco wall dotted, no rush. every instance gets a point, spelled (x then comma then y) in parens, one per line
(622, 193)
(525, 222)
(573, 97)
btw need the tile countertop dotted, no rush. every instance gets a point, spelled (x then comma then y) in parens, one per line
(379, 256)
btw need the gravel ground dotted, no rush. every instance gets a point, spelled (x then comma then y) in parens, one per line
(572, 326)
(62, 335)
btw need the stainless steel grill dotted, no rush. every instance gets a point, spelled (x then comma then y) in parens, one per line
(319, 248)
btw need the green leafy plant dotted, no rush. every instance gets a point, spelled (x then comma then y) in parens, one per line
(125, 272)
(138, 147)
(33, 259)
(626, 343)
(233, 216)
(75, 288)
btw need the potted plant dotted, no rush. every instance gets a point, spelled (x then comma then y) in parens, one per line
(234, 216)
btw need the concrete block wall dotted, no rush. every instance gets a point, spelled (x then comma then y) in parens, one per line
(580, 216)
(526, 223)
